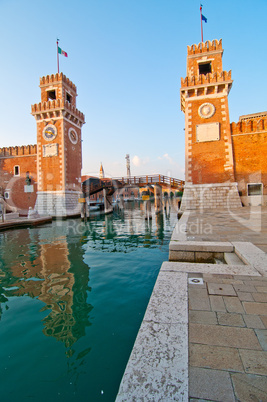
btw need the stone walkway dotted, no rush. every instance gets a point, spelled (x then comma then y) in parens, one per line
(228, 314)
(228, 338)
(22, 222)
(248, 224)
(204, 334)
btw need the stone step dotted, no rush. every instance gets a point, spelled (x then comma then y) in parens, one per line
(232, 259)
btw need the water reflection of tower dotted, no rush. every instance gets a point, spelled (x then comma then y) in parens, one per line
(64, 290)
(62, 285)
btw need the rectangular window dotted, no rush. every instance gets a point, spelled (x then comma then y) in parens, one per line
(51, 94)
(255, 189)
(16, 170)
(68, 98)
(204, 68)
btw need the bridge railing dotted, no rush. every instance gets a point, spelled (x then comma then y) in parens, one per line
(151, 179)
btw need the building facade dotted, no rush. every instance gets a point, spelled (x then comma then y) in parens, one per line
(224, 162)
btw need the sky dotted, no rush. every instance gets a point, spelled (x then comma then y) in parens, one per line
(126, 58)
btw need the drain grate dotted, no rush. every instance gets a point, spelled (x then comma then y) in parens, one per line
(195, 281)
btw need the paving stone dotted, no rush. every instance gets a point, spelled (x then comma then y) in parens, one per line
(199, 299)
(214, 385)
(262, 289)
(218, 335)
(232, 320)
(215, 357)
(216, 277)
(217, 303)
(221, 289)
(258, 278)
(260, 297)
(262, 337)
(254, 361)
(244, 296)
(242, 277)
(264, 320)
(245, 288)
(233, 305)
(226, 281)
(203, 317)
(253, 321)
(255, 308)
(249, 387)
(258, 282)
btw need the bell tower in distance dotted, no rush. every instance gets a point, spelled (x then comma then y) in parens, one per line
(59, 147)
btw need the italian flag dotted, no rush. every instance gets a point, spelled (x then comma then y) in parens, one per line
(60, 51)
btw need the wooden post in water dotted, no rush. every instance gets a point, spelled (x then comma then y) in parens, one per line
(108, 207)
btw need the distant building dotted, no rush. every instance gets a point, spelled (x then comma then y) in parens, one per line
(225, 163)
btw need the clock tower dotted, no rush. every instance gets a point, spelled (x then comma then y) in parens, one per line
(59, 147)
(209, 165)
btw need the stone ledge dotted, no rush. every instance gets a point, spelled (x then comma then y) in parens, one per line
(250, 254)
(209, 268)
(223, 247)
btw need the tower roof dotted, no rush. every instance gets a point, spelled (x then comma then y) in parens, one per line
(101, 172)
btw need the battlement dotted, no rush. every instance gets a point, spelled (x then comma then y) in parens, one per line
(56, 78)
(24, 150)
(211, 78)
(253, 116)
(56, 105)
(249, 126)
(205, 47)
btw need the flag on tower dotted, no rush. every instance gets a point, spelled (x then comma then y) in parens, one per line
(60, 51)
(204, 18)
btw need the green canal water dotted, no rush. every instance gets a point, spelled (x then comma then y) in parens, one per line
(72, 298)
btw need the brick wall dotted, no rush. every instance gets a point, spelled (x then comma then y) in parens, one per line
(250, 149)
(14, 184)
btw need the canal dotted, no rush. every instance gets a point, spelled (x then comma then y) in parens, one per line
(72, 298)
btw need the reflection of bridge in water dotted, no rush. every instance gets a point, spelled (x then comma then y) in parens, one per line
(160, 183)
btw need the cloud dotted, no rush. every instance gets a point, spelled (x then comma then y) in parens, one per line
(136, 161)
(168, 157)
(139, 162)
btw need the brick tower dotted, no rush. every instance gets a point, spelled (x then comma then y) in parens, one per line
(59, 150)
(209, 167)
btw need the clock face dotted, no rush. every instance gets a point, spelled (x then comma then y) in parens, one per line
(73, 136)
(50, 132)
(206, 110)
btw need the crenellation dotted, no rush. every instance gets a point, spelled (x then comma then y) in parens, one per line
(56, 78)
(205, 47)
(249, 126)
(23, 150)
(210, 78)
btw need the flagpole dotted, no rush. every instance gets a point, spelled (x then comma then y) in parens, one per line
(57, 58)
(201, 23)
